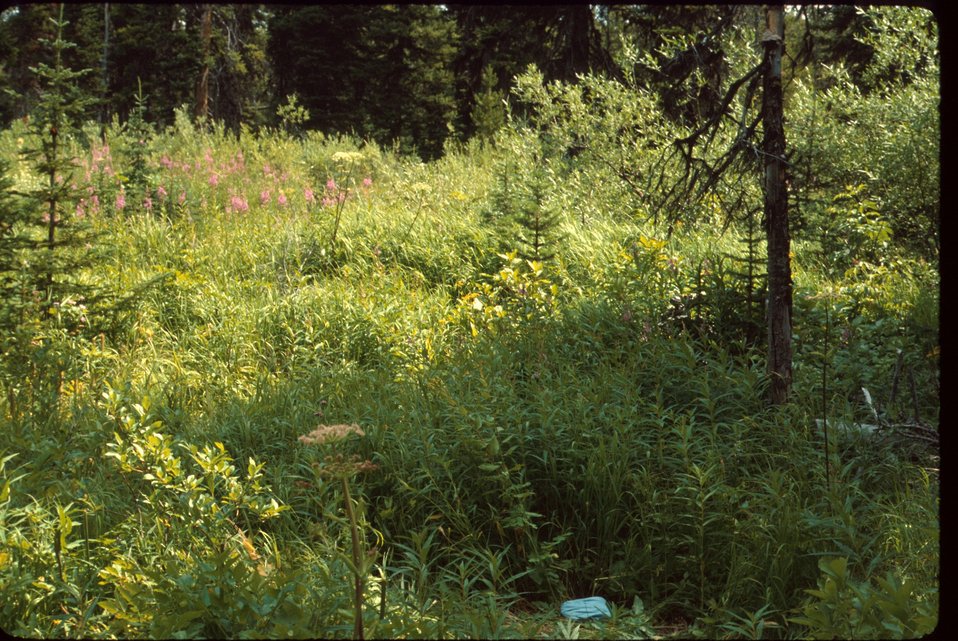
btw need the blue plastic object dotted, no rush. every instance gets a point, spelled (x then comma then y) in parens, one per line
(593, 607)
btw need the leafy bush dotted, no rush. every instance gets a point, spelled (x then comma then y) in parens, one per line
(842, 607)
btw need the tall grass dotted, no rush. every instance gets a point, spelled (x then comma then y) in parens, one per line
(600, 439)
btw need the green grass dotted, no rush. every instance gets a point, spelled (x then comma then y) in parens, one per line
(592, 438)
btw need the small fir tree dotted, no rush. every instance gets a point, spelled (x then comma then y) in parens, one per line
(47, 248)
(57, 112)
(538, 223)
(139, 132)
(751, 278)
(489, 112)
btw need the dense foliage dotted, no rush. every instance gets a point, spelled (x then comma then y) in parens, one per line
(261, 378)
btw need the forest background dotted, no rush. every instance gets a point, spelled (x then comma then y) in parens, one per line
(415, 320)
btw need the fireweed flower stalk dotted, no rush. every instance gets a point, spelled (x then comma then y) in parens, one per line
(344, 468)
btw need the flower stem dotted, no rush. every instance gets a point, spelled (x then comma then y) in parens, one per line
(357, 560)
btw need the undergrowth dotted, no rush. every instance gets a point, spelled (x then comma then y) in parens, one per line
(586, 423)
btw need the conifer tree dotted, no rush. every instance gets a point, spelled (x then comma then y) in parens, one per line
(46, 247)
(11, 225)
(489, 112)
(538, 222)
(56, 116)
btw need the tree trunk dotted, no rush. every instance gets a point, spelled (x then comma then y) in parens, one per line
(203, 82)
(779, 313)
(104, 69)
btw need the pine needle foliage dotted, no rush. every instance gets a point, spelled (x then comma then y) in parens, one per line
(751, 279)
(521, 209)
(60, 106)
(538, 237)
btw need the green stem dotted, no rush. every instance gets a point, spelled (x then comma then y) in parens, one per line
(357, 560)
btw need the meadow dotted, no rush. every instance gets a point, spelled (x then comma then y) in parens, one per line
(315, 378)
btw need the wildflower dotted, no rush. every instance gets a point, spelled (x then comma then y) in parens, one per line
(340, 466)
(166, 162)
(310, 196)
(95, 203)
(160, 192)
(182, 198)
(101, 153)
(329, 433)
(120, 200)
(264, 197)
(267, 170)
(331, 184)
(238, 204)
(80, 213)
(214, 180)
(367, 182)
(281, 199)
(148, 203)
(208, 157)
(366, 466)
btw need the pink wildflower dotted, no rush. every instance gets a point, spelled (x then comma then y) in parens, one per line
(80, 213)
(182, 198)
(166, 162)
(310, 196)
(208, 157)
(367, 182)
(160, 192)
(282, 199)
(148, 203)
(120, 201)
(264, 197)
(331, 184)
(95, 202)
(214, 180)
(100, 154)
(238, 204)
